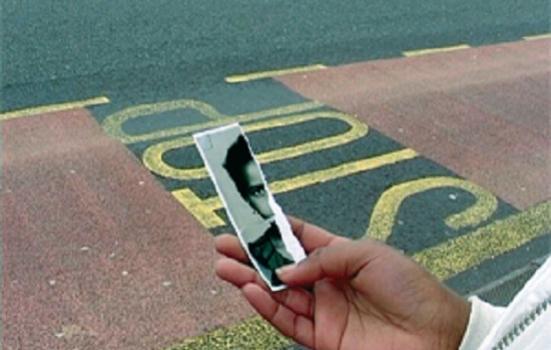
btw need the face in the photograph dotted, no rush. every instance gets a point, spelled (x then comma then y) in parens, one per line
(256, 195)
(247, 177)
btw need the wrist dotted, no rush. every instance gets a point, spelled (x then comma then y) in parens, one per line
(455, 321)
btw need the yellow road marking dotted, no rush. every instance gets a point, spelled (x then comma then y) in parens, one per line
(251, 334)
(113, 124)
(386, 209)
(204, 210)
(444, 261)
(272, 73)
(342, 170)
(464, 252)
(153, 156)
(435, 50)
(537, 37)
(53, 108)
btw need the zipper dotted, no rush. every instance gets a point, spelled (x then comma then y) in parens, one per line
(521, 326)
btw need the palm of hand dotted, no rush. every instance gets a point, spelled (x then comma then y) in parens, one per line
(376, 310)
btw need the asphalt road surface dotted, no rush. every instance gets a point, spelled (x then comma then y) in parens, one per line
(148, 50)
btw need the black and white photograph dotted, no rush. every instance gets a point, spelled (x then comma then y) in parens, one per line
(259, 221)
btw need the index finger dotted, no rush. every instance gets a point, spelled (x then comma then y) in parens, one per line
(311, 236)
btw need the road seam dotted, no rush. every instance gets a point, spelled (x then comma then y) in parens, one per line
(533, 265)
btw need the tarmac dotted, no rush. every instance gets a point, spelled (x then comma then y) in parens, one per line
(107, 219)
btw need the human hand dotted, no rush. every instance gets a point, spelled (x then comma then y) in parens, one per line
(350, 295)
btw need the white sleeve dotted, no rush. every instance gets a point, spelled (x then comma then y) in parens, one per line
(481, 320)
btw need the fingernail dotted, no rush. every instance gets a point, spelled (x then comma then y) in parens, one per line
(284, 270)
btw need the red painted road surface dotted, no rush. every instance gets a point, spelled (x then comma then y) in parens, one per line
(97, 255)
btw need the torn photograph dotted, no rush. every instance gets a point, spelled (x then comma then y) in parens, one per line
(259, 221)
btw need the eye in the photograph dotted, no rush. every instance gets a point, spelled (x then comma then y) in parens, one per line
(257, 191)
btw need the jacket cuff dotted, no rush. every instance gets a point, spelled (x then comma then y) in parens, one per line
(481, 320)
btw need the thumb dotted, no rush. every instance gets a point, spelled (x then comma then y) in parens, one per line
(339, 261)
